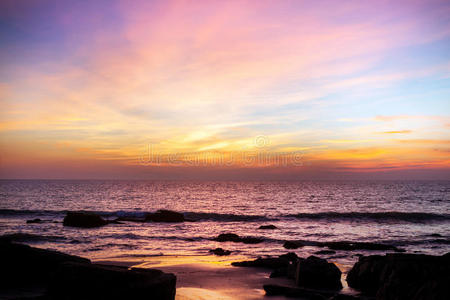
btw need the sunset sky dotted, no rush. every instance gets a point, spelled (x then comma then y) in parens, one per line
(358, 89)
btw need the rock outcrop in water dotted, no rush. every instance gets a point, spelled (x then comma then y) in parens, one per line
(292, 244)
(33, 221)
(274, 263)
(343, 245)
(46, 274)
(315, 278)
(268, 227)
(317, 273)
(84, 220)
(165, 216)
(402, 276)
(232, 237)
(220, 252)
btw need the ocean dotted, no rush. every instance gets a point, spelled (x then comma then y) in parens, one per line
(411, 215)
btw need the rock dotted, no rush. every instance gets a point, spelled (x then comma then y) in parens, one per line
(84, 220)
(37, 220)
(220, 252)
(228, 237)
(293, 244)
(317, 273)
(92, 281)
(268, 227)
(279, 290)
(325, 252)
(436, 235)
(55, 275)
(289, 270)
(268, 263)
(165, 216)
(402, 276)
(291, 256)
(280, 272)
(131, 219)
(251, 240)
(22, 264)
(232, 237)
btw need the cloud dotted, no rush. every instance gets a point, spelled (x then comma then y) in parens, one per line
(396, 132)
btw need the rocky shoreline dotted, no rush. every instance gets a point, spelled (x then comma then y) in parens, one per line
(390, 277)
(33, 273)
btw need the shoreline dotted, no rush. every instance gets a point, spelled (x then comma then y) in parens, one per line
(209, 276)
(213, 277)
(36, 273)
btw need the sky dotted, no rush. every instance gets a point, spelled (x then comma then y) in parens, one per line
(225, 89)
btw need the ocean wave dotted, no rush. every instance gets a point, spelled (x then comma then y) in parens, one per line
(189, 216)
(28, 212)
(390, 216)
(30, 238)
(203, 216)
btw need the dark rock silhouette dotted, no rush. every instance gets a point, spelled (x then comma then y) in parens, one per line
(342, 245)
(220, 252)
(325, 252)
(54, 275)
(165, 216)
(92, 281)
(37, 220)
(23, 264)
(84, 220)
(232, 237)
(293, 244)
(268, 227)
(317, 273)
(436, 235)
(283, 261)
(402, 276)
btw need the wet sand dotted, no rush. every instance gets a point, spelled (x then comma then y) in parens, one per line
(208, 277)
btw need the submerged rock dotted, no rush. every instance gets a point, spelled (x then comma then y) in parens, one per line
(268, 227)
(325, 252)
(342, 245)
(220, 252)
(293, 244)
(164, 215)
(84, 220)
(228, 237)
(402, 276)
(232, 237)
(317, 273)
(37, 220)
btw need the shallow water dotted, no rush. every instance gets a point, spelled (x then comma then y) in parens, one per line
(411, 215)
